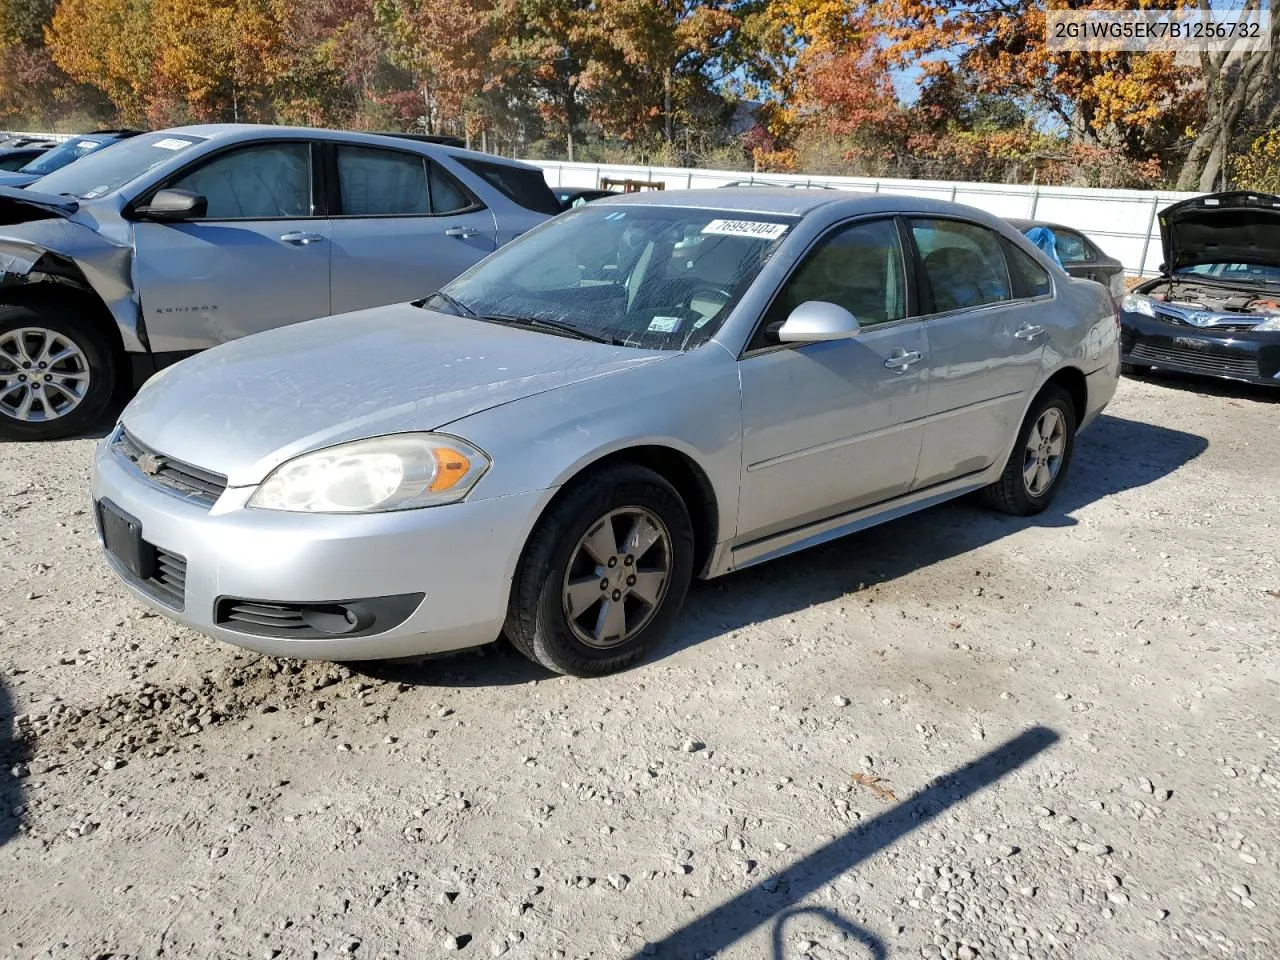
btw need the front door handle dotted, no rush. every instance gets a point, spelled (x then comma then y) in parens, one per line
(901, 359)
(300, 239)
(463, 233)
(1028, 331)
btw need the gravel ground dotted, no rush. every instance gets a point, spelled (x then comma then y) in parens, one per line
(960, 735)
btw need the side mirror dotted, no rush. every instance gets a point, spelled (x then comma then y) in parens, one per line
(817, 320)
(174, 206)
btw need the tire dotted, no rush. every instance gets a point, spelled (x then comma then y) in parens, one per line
(539, 620)
(52, 328)
(1013, 493)
(1134, 369)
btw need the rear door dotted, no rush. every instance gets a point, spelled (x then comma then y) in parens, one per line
(985, 347)
(258, 259)
(403, 226)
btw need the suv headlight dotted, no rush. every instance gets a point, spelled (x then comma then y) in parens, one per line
(1269, 325)
(398, 472)
(1137, 303)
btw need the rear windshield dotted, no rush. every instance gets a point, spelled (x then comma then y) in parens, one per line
(525, 187)
(109, 169)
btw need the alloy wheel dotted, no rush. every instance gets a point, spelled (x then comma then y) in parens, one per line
(1042, 458)
(44, 375)
(617, 577)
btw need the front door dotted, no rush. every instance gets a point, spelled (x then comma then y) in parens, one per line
(406, 227)
(258, 259)
(831, 427)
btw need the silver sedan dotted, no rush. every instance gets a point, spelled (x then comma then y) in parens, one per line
(643, 390)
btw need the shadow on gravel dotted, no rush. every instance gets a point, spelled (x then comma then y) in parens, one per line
(496, 665)
(1111, 456)
(728, 923)
(1209, 386)
(13, 752)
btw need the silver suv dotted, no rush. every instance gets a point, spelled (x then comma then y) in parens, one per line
(152, 249)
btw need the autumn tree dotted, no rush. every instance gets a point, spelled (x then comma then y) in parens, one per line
(110, 45)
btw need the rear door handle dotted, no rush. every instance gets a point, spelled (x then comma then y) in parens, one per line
(300, 239)
(1028, 331)
(901, 359)
(463, 233)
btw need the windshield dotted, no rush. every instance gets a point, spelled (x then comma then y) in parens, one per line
(109, 170)
(655, 277)
(1228, 272)
(59, 157)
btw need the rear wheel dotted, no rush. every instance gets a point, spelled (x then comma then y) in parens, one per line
(57, 371)
(603, 574)
(1040, 456)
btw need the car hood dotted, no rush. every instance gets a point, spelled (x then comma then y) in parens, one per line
(245, 407)
(1235, 227)
(16, 179)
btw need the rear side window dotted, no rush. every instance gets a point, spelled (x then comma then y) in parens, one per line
(963, 264)
(525, 187)
(1027, 277)
(447, 194)
(380, 183)
(1071, 247)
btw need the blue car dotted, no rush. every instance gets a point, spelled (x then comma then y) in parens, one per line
(57, 158)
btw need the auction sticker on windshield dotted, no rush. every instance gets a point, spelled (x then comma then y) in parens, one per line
(172, 143)
(759, 229)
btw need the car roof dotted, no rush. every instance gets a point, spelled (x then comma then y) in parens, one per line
(244, 131)
(801, 203)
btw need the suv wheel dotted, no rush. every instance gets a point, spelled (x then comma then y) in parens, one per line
(57, 371)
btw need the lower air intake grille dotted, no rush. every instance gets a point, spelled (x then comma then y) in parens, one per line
(1199, 361)
(168, 583)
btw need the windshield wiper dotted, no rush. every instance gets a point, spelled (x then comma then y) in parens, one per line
(555, 326)
(451, 301)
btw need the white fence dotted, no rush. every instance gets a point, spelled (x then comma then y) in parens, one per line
(1121, 222)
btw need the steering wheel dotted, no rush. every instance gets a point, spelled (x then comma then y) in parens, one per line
(724, 294)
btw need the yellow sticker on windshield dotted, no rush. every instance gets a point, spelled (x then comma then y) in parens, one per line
(760, 229)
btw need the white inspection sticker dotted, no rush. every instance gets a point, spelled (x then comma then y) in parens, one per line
(171, 143)
(663, 324)
(87, 144)
(746, 228)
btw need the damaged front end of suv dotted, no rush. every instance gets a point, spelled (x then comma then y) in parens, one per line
(1215, 309)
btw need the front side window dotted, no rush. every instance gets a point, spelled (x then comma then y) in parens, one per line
(656, 277)
(264, 182)
(962, 264)
(378, 183)
(858, 267)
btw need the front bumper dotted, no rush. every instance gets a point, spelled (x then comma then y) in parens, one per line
(460, 557)
(1245, 355)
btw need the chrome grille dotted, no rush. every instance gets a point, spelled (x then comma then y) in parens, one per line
(1199, 361)
(189, 481)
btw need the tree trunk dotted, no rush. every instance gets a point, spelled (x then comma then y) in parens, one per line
(667, 131)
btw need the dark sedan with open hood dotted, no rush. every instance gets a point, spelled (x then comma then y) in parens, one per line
(1215, 308)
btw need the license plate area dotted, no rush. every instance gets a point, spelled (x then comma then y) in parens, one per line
(122, 537)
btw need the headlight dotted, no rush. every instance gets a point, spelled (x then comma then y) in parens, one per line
(1137, 303)
(1270, 325)
(398, 472)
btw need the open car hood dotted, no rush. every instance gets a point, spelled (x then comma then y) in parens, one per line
(1236, 227)
(20, 206)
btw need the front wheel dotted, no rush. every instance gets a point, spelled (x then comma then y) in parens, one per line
(603, 574)
(57, 371)
(1040, 456)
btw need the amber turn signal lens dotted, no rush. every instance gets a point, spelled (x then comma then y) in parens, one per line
(451, 466)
